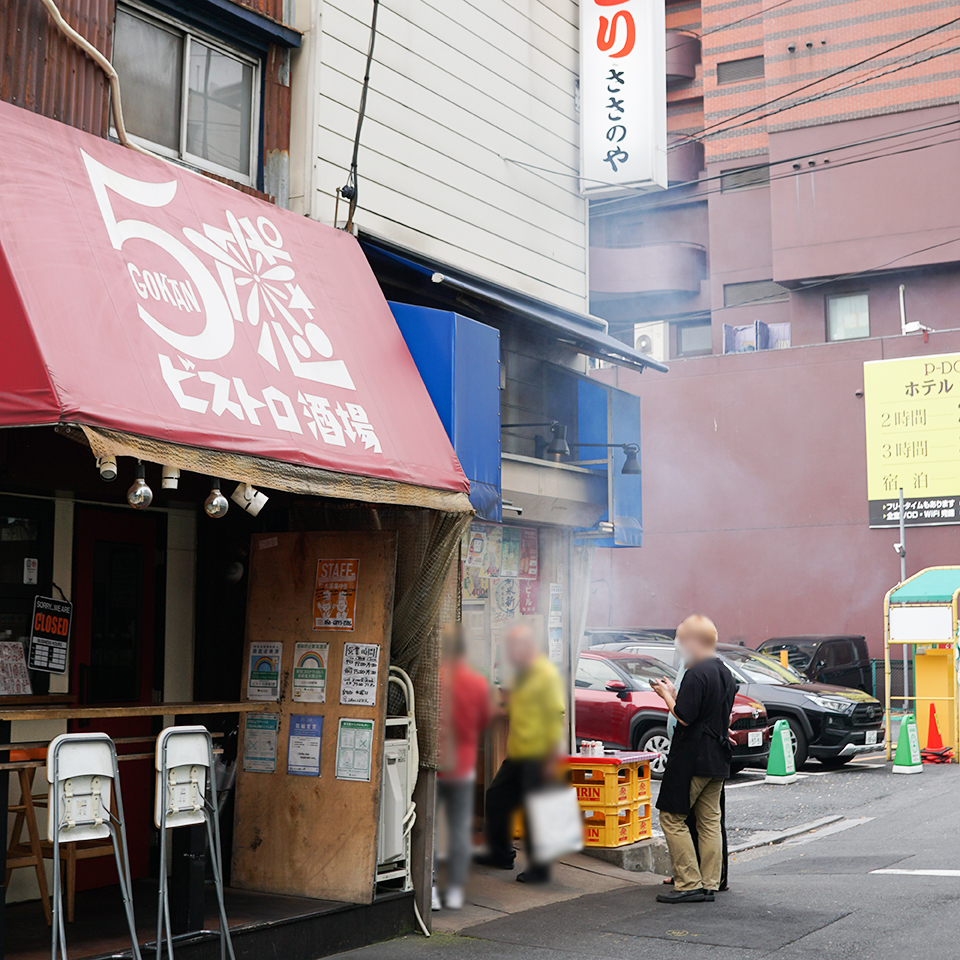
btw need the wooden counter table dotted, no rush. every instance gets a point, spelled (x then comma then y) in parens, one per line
(64, 707)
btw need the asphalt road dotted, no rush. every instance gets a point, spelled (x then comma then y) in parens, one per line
(816, 895)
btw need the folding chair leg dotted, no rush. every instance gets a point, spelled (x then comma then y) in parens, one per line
(213, 836)
(71, 880)
(126, 893)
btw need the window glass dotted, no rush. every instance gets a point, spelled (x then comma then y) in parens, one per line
(761, 669)
(848, 318)
(646, 668)
(694, 338)
(594, 674)
(149, 60)
(799, 654)
(218, 107)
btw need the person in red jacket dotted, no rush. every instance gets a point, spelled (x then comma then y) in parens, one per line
(465, 713)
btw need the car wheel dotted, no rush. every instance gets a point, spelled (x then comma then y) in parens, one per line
(799, 741)
(656, 740)
(833, 762)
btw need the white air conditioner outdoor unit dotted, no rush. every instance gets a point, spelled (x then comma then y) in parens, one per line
(653, 339)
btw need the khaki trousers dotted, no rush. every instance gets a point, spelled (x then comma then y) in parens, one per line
(688, 873)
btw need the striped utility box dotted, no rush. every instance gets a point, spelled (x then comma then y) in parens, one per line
(614, 795)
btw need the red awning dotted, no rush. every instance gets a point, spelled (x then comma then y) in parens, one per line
(149, 303)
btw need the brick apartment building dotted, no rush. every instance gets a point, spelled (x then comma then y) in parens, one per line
(813, 158)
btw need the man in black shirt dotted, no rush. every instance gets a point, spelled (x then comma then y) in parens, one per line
(698, 762)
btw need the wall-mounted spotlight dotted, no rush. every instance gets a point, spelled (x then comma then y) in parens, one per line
(249, 498)
(216, 505)
(558, 446)
(107, 467)
(169, 478)
(139, 495)
(631, 465)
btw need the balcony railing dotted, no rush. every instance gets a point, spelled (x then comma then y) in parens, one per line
(674, 267)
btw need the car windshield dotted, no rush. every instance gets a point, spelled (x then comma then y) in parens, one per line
(645, 668)
(799, 652)
(761, 669)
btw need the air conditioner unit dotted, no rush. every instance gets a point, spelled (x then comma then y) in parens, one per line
(653, 339)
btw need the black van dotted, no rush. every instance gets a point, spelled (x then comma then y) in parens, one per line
(840, 659)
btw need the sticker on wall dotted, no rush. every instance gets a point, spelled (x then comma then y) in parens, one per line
(510, 552)
(310, 672)
(31, 566)
(303, 745)
(354, 749)
(335, 596)
(263, 680)
(50, 634)
(358, 677)
(556, 604)
(260, 742)
(555, 637)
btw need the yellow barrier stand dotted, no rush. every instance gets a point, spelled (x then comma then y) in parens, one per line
(921, 613)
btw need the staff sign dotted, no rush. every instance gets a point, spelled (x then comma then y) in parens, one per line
(50, 634)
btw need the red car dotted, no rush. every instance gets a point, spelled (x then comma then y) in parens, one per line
(615, 704)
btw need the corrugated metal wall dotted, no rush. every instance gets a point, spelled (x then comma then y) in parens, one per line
(269, 8)
(43, 72)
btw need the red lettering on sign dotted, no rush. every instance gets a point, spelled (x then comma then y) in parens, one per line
(607, 34)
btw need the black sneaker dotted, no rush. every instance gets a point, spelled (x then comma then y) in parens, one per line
(489, 860)
(684, 896)
(534, 875)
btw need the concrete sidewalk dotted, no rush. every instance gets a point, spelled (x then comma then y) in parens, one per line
(492, 894)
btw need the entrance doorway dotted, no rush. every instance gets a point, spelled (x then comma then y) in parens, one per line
(113, 662)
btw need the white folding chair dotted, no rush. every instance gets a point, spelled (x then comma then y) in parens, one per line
(82, 771)
(187, 797)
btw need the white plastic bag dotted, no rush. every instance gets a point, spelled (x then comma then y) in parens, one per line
(555, 823)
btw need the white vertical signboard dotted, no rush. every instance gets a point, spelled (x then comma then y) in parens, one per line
(623, 96)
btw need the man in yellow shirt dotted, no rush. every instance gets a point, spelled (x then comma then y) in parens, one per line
(535, 713)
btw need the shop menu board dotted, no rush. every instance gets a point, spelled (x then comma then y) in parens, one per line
(358, 678)
(50, 634)
(494, 552)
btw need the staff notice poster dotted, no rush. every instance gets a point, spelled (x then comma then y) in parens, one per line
(358, 678)
(335, 596)
(263, 680)
(913, 439)
(354, 749)
(303, 745)
(50, 634)
(260, 742)
(310, 672)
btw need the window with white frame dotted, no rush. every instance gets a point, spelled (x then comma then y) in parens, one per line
(848, 317)
(187, 96)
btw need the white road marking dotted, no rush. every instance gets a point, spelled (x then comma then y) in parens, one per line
(828, 830)
(920, 873)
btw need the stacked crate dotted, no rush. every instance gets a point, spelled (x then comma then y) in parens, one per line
(614, 795)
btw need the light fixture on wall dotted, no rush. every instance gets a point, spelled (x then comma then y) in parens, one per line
(249, 498)
(108, 468)
(216, 505)
(631, 466)
(169, 477)
(558, 446)
(140, 495)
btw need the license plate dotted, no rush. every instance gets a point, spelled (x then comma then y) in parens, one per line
(755, 738)
(871, 737)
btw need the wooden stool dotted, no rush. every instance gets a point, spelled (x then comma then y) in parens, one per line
(29, 854)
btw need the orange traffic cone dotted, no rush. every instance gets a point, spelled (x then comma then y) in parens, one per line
(935, 751)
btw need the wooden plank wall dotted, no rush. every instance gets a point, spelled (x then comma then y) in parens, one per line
(303, 836)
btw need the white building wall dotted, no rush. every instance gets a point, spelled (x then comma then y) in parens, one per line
(459, 89)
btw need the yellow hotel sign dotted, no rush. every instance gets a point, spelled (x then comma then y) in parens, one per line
(912, 409)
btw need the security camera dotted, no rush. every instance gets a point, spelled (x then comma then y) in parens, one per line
(249, 498)
(899, 549)
(107, 467)
(169, 478)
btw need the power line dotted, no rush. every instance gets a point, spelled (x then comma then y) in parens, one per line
(829, 76)
(826, 93)
(735, 23)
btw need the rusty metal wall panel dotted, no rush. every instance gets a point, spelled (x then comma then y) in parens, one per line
(269, 8)
(44, 72)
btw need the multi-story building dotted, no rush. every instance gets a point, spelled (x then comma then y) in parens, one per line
(812, 207)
